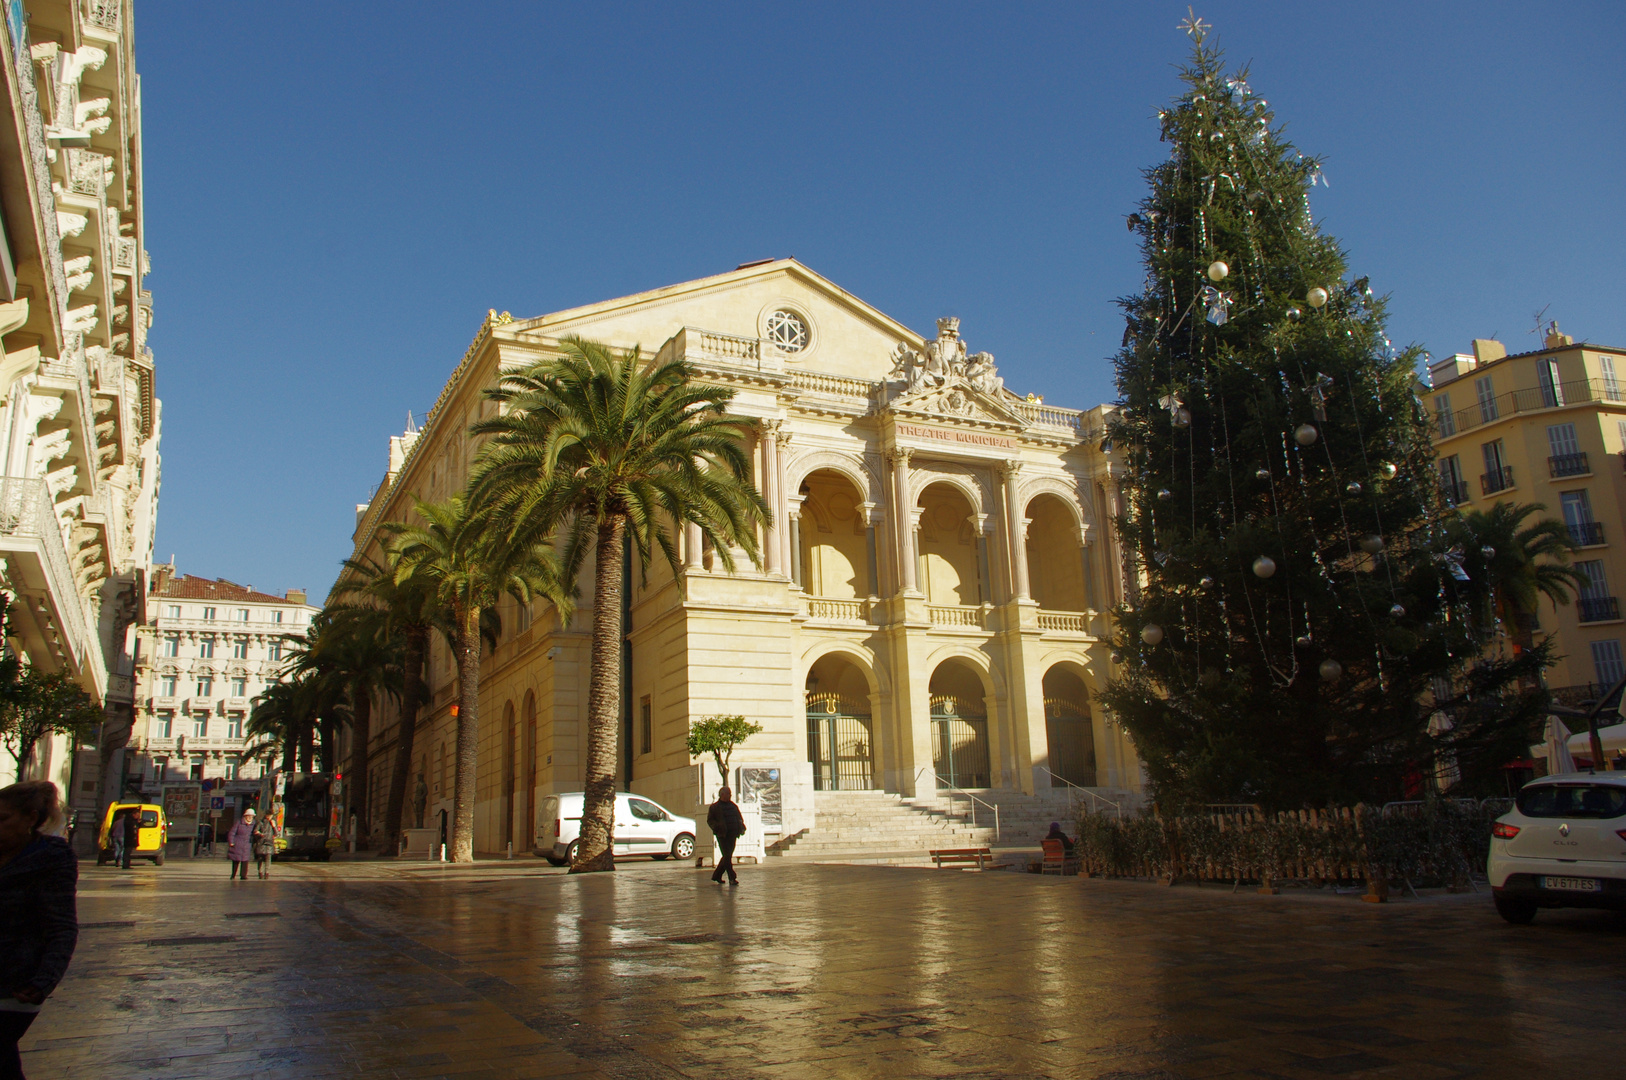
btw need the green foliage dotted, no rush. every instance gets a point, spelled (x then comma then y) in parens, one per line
(1436, 840)
(43, 703)
(718, 736)
(1229, 703)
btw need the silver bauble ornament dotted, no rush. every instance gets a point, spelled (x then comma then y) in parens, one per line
(1352, 488)
(1371, 543)
(1151, 633)
(1206, 583)
(1487, 553)
(1331, 670)
(1316, 297)
(1397, 612)
(1306, 435)
(1387, 470)
(1164, 494)
(1302, 641)
(1117, 658)
(1264, 566)
(1261, 474)
(1217, 271)
(1293, 314)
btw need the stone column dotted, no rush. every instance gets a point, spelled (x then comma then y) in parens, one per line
(691, 546)
(795, 531)
(771, 546)
(783, 494)
(870, 552)
(1016, 531)
(905, 519)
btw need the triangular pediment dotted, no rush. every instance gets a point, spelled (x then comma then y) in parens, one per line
(957, 402)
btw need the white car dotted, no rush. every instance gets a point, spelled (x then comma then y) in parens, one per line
(1562, 845)
(642, 827)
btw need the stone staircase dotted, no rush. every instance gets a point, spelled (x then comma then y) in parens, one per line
(882, 828)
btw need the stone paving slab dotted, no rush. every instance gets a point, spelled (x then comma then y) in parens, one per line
(380, 969)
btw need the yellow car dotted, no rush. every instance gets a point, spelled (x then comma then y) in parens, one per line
(150, 836)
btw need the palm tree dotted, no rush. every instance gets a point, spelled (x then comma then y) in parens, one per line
(409, 608)
(470, 566)
(612, 451)
(1519, 562)
(280, 719)
(354, 655)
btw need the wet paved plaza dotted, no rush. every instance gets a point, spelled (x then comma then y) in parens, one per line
(514, 971)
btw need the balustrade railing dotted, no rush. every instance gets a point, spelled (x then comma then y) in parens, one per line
(828, 609)
(1533, 399)
(834, 385)
(955, 615)
(1066, 621)
(1048, 415)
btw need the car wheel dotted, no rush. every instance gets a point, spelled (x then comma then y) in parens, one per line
(158, 859)
(570, 852)
(556, 862)
(683, 847)
(662, 857)
(1518, 912)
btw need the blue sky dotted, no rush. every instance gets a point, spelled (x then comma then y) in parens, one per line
(336, 193)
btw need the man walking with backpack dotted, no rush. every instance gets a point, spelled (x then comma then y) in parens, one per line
(727, 824)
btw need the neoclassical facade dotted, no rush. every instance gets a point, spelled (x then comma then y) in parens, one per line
(928, 613)
(79, 422)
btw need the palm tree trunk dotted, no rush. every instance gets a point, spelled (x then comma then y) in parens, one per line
(329, 735)
(290, 746)
(307, 748)
(361, 733)
(468, 732)
(413, 651)
(597, 851)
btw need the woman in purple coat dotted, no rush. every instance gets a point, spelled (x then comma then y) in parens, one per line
(240, 844)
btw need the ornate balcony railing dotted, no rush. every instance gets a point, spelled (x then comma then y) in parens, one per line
(1568, 465)
(1587, 533)
(1500, 480)
(829, 609)
(1072, 622)
(1598, 608)
(1456, 491)
(966, 615)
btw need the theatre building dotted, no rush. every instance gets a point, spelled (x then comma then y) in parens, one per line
(928, 619)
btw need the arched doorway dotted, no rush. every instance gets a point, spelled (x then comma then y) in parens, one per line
(838, 550)
(1069, 731)
(959, 727)
(953, 555)
(840, 729)
(1055, 556)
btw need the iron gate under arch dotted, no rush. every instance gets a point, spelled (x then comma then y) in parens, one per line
(959, 742)
(840, 744)
(1071, 743)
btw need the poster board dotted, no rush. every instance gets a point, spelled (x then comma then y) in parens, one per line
(760, 785)
(181, 803)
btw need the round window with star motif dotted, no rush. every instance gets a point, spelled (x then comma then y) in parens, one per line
(788, 331)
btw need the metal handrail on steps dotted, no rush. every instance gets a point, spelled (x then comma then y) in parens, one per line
(972, 799)
(1117, 808)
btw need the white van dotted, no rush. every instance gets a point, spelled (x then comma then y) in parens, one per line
(642, 827)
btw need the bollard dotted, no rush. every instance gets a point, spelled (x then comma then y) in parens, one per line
(510, 854)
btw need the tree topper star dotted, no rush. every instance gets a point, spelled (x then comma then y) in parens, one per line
(1195, 26)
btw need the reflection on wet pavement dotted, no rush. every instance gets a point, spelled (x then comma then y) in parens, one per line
(374, 969)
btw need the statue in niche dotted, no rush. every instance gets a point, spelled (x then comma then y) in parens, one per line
(420, 799)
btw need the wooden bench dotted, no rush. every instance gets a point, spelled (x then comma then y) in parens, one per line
(979, 855)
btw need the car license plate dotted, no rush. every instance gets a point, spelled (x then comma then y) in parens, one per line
(1572, 884)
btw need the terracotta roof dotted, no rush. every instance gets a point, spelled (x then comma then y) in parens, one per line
(187, 587)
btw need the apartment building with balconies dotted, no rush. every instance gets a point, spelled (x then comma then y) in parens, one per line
(1547, 426)
(79, 423)
(206, 650)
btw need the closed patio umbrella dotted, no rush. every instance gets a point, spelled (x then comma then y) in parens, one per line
(1555, 742)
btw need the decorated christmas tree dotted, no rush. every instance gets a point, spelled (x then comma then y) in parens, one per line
(1305, 630)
